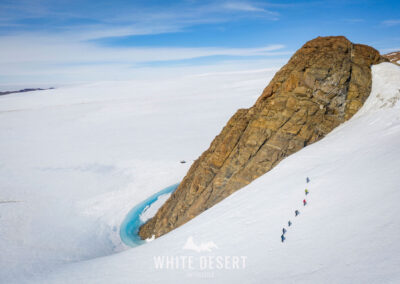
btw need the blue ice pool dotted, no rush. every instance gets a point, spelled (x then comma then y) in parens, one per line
(130, 226)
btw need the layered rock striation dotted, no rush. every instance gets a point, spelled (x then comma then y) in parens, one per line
(323, 84)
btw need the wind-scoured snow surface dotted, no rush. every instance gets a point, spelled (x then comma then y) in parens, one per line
(78, 159)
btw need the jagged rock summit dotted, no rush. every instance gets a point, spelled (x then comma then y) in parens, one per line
(323, 84)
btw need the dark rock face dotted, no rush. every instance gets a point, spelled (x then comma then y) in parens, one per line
(23, 91)
(322, 85)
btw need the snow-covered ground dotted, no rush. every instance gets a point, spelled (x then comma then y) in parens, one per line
(77, 159)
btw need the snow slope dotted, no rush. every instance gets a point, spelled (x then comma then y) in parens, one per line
(78, 159)
(348, 232)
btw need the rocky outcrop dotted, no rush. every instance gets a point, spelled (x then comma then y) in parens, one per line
(322, 85)
(24, 91)
(393, 57)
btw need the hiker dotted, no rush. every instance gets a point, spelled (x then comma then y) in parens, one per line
(296, 212)
(289, 223)
(283, 231)
(283, 238)
(306, 191)
(304, 202)
(307, 179)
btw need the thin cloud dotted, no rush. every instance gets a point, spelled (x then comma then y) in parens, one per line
(355, 20)
(133, 20)
(390, 23)
(61, 50)
(388, 50)
(54, 60)
(247, 7)
(40, 41)
(105, 31)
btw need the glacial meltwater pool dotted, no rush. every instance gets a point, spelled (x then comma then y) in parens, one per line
(130, 226)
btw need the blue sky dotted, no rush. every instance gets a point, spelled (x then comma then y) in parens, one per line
(57, 42)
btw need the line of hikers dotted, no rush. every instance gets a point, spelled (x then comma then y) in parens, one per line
(296, 212)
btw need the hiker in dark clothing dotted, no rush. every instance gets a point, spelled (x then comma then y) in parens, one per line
(307, 179)
(296, 212)
(283, 231)
(289, 223)
(304, 202)
(283, 238)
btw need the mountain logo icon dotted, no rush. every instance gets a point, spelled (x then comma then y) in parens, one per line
(191, 245)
